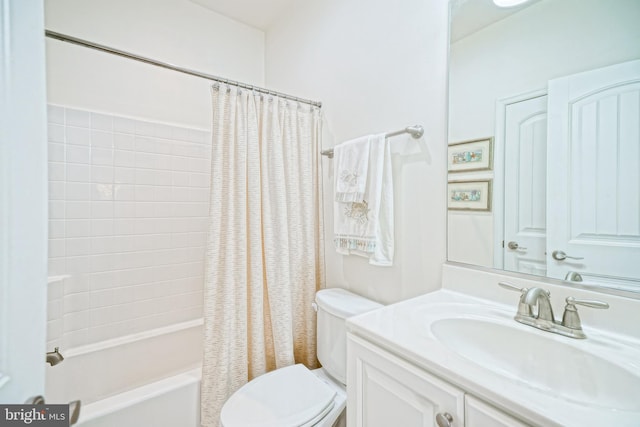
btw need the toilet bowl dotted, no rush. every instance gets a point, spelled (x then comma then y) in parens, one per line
(291, 396)
(295, 396)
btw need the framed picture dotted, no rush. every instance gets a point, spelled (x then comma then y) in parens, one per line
(467, 156)
(469, 195)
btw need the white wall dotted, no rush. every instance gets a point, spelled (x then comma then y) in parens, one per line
(376, 66)
(179, 32)
(518, 55)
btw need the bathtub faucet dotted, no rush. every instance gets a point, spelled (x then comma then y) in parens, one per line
(74, 412)
(54, 357)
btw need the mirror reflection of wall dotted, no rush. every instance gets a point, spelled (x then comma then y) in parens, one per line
(499, 79)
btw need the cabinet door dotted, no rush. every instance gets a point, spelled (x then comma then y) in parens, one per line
(384, 390)
(480, 414)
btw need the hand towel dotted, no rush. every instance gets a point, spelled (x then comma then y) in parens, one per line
(351, 160)
(366, 227)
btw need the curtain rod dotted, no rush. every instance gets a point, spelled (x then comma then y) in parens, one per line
(124, 54)
(415, 131)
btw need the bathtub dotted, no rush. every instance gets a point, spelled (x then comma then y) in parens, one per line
(147, 379)
(172, 402)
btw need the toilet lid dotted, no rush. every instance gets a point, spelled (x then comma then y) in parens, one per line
(286, 397)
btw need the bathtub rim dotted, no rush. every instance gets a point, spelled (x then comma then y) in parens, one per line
(126, 399)
(131, 338)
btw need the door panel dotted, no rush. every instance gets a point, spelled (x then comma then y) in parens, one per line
(594, 179)
(525, 186)
(23, 200)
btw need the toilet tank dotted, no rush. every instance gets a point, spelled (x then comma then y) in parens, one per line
(335, 305)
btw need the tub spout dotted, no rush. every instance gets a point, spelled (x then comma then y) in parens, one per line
(54, 357)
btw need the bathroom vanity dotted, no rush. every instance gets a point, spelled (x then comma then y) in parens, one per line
(457, 357)
(451, 359)
(401, 393)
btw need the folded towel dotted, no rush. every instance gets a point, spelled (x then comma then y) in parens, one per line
(365, 227)
(351, 162)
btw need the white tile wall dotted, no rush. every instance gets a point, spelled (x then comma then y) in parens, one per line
(127, 225)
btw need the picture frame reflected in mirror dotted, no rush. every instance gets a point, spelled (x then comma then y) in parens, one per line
(469, 195)
(470, 156)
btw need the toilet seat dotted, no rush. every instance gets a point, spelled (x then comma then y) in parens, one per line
(287, 397)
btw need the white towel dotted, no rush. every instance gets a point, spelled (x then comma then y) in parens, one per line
(365, 227)
(351, 163)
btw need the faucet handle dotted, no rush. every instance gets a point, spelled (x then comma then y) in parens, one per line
(571, 319)
(523, 308)
(587, 302)
(512, 287)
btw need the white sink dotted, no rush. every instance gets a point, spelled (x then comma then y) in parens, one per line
(541, 377)
(557, 366)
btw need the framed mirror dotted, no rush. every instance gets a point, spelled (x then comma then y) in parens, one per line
(554, 85)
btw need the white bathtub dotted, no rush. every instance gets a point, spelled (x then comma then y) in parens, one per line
(172, 402)
(149, 379)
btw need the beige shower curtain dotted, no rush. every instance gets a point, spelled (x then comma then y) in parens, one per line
(264, 259)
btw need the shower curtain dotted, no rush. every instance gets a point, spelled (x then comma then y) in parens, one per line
(264, 259)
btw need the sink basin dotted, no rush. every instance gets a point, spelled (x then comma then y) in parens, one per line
(551, 365)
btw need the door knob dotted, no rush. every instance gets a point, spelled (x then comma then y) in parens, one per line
(514, 245)
(561, 256)
(444, 420)
(35, 400)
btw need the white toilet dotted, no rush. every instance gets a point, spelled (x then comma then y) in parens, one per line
(295, 396)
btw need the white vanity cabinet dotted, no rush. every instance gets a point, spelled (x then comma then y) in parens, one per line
(450, 359)
(384, 390)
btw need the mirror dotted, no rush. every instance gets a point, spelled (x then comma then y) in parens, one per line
(544, 139)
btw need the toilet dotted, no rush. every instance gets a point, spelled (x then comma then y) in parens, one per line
(295, 396)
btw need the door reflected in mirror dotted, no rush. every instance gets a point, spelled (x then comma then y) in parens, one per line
(556, 84)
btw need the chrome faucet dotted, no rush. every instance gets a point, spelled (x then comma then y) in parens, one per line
(539, 298)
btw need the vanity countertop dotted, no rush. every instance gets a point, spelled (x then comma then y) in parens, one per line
(407, 330)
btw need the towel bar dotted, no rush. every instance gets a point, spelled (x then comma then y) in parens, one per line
(415, 131)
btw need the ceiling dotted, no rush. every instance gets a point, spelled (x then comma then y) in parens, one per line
(256, 13)
(468, 15)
